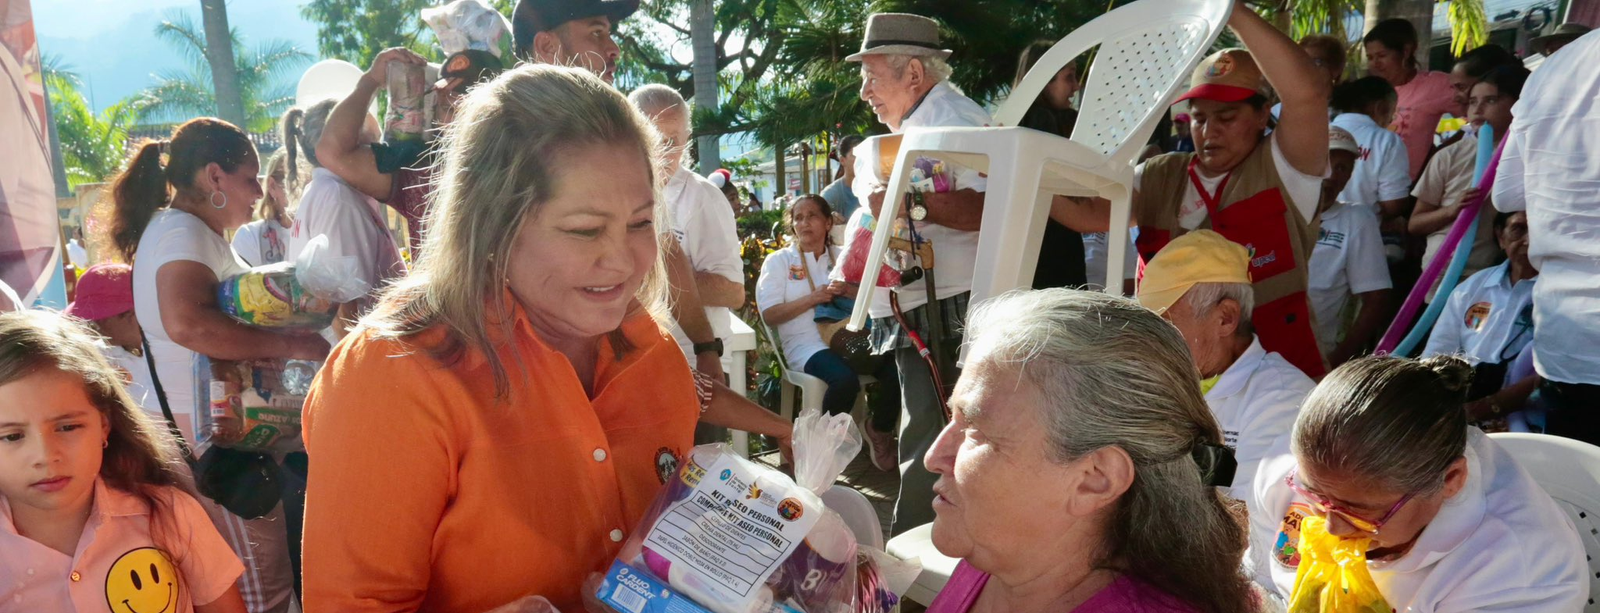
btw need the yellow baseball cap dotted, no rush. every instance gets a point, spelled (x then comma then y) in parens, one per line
(1201, 256)
(1230, 75)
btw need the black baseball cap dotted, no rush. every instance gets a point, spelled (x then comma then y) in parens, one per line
(468, 67)
(531, 17)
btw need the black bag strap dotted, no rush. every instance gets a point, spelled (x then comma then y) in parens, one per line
(161, 395)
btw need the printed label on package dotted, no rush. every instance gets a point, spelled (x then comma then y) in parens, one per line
(731, 531)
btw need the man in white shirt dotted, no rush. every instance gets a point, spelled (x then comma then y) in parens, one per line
(1347, 261)
(701, 221)
(1550, 167)
(905, 81)
(1201, 283)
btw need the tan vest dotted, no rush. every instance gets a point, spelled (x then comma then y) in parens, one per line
(1252, 211)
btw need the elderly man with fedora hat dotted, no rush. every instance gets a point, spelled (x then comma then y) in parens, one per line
(570, 32)
(1558, 37)
(1256, 188)
(904, 78)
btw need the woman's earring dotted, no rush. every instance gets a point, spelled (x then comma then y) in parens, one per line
(105, 444)
(213, 200)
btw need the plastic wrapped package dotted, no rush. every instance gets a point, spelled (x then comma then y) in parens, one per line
(1333, 576)
(302, 295)
(406, 119)
(470, 24)
(732, 536)
(252, 405)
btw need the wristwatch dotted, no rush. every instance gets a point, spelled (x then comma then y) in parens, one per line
(713, 345)
(919, 211)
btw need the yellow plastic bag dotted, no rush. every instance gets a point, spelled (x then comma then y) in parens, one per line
(1333, 576)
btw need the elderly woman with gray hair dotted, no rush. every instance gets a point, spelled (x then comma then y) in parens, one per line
(1382, 452)
(1079, 469)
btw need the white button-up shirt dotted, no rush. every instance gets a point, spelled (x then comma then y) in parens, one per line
(1382, 171)
(702, 220)
(353, 223)
(117, 561)
(1551, 169)
(956, 251)
(1487, 318)
(1500, 544)
(1256, 401)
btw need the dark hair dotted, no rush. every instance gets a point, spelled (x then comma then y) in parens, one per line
(140, 455)
(1396, 422)
(1356, 96)
(1501, 220)
(1331, 45)
(141, 189)
(1509, 79)
(1257, 101)
(848, 144)
(1032, 53)
(1395, 34)
(1480, 61)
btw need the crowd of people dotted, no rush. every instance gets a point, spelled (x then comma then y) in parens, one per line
(510, 384)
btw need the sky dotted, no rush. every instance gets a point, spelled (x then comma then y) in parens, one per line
(111, 43)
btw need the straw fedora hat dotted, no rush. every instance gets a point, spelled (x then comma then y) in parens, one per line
(1567, 31)
(900, 34)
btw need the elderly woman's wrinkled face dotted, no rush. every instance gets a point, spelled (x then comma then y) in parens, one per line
(1359, 496)
(891, 96)
(1206, 330)
(1000, 493)
(576, 264)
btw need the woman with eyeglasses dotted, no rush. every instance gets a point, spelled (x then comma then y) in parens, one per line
(1383, 451)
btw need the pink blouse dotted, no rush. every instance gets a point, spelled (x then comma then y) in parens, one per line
(1125, 595)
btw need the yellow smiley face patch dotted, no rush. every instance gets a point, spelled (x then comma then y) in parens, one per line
(143, 581)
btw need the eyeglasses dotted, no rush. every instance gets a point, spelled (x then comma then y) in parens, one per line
(1325, 506)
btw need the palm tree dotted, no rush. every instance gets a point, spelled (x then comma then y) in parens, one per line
(184, 94)
(702, 27)
(219, 55)
(92, 147)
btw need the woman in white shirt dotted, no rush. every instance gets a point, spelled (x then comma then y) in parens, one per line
(1365, 106)
(1383, 452)
(265, 240)
(169, 221)
(793, 282)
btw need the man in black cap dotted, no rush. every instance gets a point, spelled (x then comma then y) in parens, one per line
(570, 32)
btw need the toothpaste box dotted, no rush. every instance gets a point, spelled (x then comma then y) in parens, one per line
(629, 590)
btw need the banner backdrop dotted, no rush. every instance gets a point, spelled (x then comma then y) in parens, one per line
(30, 236)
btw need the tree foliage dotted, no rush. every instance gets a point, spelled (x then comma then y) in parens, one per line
(92, 146)
(264, 88)
(356, 30)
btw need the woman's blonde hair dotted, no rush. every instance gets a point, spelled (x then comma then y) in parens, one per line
(1111, 373)
(501, 159)
(278, 162)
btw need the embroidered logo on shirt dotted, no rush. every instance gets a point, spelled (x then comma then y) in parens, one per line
(1478, 315)
(143, 580)
(1331, 239)
(1287, 548)
(797, 272)
(666, 464)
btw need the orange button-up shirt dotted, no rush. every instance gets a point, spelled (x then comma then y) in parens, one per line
(427, 493)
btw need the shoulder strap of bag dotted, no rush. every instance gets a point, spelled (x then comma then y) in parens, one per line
(161, 396)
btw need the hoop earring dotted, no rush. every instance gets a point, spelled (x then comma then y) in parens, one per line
(213, 200)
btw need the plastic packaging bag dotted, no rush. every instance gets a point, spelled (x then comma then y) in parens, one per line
(732, 536)
(253, 405)
(857, 240)
(406, 119)
(882, 579)
(470, 24)
(303, 295)
(1333, 575)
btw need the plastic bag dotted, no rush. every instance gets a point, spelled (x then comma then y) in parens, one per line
(273, 297)
(857, 240)
(1333, 575)
(470, 24)
(406, 119)
(253, 405)
(327, 276)
(732, 536)
(882, 579)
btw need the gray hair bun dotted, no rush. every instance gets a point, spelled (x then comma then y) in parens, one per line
(1454, 373)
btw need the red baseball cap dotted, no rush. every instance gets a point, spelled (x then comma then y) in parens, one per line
(1230, 75)
(105, 290)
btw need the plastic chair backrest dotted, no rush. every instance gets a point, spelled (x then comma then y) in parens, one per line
(777, 342)
(1569, 470)
(1147, 51)
(857, 512)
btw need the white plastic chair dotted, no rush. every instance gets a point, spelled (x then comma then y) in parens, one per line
(857, 512)
(917, 543)
(811, 388)
(1569, 471)
(1147, 51)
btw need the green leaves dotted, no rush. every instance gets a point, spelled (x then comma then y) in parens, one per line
(1469, 25)
(92, 147)
(263, 83)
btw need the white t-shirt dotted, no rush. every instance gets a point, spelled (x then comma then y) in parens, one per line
(262, 242)
(1095, 258)
(1382, 172)
(1347, 260)
(136, 377)
(176, 236)
(1551, 169)
(955, 251)
(1256, 402)
(1487, 318)
(353, 223)
(1500, 544)
(1304, 191)
(703, 223)
(784, 278)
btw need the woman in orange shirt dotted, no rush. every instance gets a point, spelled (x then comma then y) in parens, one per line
(507, 413)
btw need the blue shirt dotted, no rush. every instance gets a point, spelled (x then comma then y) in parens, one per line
(839, 196)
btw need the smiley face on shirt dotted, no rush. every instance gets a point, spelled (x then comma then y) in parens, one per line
(142, 581)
